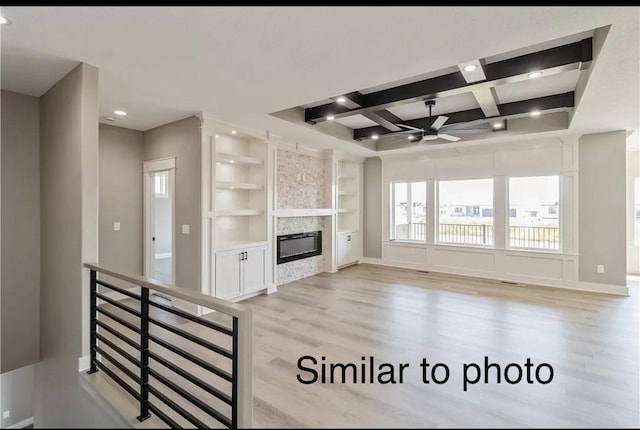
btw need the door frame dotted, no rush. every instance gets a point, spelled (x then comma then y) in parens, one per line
(148, 168)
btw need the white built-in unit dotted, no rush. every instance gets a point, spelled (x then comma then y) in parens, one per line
(348, 212)
(235, 222)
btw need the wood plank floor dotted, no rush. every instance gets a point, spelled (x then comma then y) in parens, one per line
(401, 316)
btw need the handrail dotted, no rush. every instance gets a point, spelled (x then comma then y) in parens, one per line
(241, 397)
(226, 307)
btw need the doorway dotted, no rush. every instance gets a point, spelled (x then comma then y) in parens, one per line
(159, 220)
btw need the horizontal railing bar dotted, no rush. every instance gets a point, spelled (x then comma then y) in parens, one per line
(119, 365)
(119, 320)
(186, 315)
(189, 377)
(117, 334)
(191, 398)
(119, 350)
(224, 306)
(164, 417)
(118, 305)
(210, 367)
(179, 409)
(118, 289)
(193, 338)
(119, 380)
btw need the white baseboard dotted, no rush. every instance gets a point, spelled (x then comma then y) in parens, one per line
(84, 363)
(273, 288)
(22, 424)
(617, 290)
(163, 255)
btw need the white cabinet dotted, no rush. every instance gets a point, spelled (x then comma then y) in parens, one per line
(240, 271)
(347, 247)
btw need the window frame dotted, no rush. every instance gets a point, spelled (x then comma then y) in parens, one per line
(392, 216)
(507, 226)
(164, 183)
(437, 240)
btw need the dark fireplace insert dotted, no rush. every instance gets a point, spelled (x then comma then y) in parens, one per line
(293, 247)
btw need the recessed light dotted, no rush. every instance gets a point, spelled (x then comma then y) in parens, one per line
(374, 136)
(535, 113)
(535, 75)
(497, 125)
(470, 67)
(233, 132)
(120, 112)
(109, 118)
(341, 99)
(330, 117)
(217, 136)
(231, 161)
(411, 137)
(4, 20)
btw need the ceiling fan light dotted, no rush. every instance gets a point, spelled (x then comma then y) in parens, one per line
(411, 137)
(497, 125)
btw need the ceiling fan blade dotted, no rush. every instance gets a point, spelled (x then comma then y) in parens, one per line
(448, 137)
(408, 127)
(429, 137)
(439, 122)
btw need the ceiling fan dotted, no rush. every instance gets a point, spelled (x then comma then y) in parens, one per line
(437, 129)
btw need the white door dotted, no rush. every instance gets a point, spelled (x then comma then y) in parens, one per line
(228, 267)
(159, 220)
(255, 264)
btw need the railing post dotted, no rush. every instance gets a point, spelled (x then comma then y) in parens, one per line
(144, 355)
(242, 395)
(92, 303)
(484, 234)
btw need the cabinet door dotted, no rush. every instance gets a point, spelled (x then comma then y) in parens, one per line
(354, 246)
(254, 269)
(228, 266)
(342, 249)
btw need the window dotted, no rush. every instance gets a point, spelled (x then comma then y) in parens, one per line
(636, 210)
(466, 211)
(534, 207)
(161, 185)
(409, 213)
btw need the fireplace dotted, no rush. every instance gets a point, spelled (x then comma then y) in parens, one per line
(293, 247)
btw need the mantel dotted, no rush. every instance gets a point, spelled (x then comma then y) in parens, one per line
(290, 213)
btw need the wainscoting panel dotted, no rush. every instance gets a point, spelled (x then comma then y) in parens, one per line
(462, 260)
(546, 268)
(405, 255)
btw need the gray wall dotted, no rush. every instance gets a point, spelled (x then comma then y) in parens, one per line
(181, 139)
(69, 218)
(121, 157)
(372, 243)
(602, 207)
(20, 266)
(17, 394)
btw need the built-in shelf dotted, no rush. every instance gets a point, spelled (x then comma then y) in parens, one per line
(290, 213)
(346, 193)
(346, 210)
(224, 157)
(238, 185)
(239, 212)
(237, 244)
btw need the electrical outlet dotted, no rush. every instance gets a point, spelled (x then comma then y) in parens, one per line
(600, 268)
(186, 229)
(6, 414)
(116, 226)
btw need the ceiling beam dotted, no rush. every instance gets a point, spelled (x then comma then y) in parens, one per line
(383, 117)
(564, 100)
(573, 56)
(487, 100)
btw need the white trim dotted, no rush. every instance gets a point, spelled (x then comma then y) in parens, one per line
(159, 164)
(163, 255)
(84, 363)
(618, 290)
(288, 213)
(22, 424)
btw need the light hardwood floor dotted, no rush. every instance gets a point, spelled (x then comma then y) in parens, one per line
(396, 315)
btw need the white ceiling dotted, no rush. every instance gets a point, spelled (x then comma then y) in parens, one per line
(241, 63)
(457, 103)
(356, 121)
(538, 87)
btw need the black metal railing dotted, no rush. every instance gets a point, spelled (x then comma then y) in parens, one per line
(478, 234)
(534, 237)
(142, 374)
